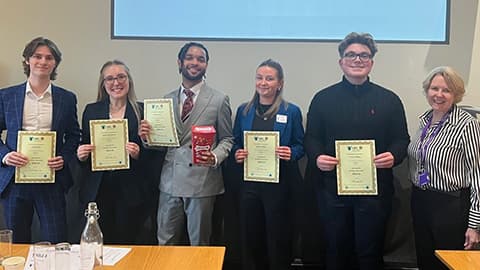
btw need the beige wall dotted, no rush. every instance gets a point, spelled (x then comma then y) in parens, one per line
(82, 31)
(474, 81)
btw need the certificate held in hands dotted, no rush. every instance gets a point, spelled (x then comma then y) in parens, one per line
(159, 113)
(38, 146)
(356, 172)
(261, 164)
(109, 138)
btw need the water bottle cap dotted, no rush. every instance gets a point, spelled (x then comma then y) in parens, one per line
(92, 209)
(92, 206)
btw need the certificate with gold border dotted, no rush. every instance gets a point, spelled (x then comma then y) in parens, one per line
(261, 164)
(159, 113)
(38, 146)
(356, 171)
(109, 138)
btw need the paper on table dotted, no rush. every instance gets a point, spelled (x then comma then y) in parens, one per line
(111, 255)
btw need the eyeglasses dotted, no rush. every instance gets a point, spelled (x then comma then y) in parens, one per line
(121, 78)
(351, 56)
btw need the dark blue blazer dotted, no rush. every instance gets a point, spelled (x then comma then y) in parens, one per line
(291, 131)
(64, 122)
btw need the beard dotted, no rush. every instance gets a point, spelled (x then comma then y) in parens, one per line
(190, 77)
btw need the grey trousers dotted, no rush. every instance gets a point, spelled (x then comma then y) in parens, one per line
(179, 214)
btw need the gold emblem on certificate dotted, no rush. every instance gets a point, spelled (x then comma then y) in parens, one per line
(38, 146)
(109, 138)
(356, 172)
(261, 164)
(159, 113)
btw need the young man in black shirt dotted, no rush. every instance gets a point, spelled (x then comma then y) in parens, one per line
(355, 109)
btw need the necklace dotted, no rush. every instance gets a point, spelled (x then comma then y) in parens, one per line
(117, 112)
(261, 110)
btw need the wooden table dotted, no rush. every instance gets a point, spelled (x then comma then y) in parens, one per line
(460, 259)
(159, 257)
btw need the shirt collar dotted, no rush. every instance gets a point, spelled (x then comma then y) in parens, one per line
(47, 92)
(356, 89)
(452, 119)
(195, 89)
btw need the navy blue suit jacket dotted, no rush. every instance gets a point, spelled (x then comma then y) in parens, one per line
(291, 130)
(64, 122)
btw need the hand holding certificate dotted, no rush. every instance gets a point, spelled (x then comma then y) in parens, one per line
(261, 164)
(356, 172)
(39, 147)
(159, 113)
(109, 138)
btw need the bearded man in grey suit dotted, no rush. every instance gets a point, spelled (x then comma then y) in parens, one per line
(187, 190)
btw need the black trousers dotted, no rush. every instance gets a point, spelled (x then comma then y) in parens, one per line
(440, 221)
(120, 221)
(354, 228)
(265, 226)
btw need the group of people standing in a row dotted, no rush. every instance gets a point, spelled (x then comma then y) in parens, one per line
(444, 159)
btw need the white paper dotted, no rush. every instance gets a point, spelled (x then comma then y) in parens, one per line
(111, 255)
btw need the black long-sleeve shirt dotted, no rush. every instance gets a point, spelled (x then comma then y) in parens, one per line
(345, 111)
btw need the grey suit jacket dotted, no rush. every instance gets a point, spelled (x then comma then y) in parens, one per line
(179, 176)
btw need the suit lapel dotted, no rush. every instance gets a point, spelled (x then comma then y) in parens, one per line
(57, 107)
(175, 96)
(19, 102)
(277, 126)
(200, 104)
(249, 117)
(104, 113)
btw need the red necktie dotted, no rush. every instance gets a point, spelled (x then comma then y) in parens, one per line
(187, 104)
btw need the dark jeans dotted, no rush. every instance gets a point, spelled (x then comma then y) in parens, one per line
(354, 230)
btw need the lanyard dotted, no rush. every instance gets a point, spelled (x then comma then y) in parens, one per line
(422, 151)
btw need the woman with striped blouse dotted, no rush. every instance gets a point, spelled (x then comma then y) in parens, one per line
(444, 160)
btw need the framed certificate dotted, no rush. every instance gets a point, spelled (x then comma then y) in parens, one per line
(159, 113)
(38, 146)
(261, 164)
(356, 172)
(109, 138)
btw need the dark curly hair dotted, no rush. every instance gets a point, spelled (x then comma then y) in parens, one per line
(359, 38)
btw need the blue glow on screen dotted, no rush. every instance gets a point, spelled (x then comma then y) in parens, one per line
(308, 20)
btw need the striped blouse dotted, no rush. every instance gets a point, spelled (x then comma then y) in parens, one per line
(452, 157)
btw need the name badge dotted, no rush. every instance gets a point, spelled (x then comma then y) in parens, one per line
(281, 118)
(423, 178)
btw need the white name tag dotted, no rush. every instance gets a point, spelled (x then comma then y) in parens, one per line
(281, 118)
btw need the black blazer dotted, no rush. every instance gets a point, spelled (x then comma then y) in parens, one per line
(134, 183)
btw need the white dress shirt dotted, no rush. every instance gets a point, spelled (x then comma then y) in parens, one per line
(37, 110)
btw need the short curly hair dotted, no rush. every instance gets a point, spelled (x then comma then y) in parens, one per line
(360, 38)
